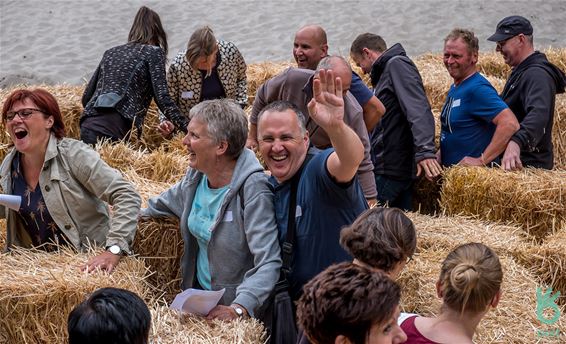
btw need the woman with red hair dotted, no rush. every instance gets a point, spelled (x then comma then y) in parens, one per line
(64, 185)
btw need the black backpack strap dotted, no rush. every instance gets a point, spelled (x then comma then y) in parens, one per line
(287, 247)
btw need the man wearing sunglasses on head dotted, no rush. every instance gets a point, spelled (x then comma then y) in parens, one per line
(529, 92)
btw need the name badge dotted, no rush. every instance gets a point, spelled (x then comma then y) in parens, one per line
(228, 217)
(187, 95)
(456, 103)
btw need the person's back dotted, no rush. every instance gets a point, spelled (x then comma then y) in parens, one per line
(469, 285)
(110, 316)
(119, 93)
(402, 143)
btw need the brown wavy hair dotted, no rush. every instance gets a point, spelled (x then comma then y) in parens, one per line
(380, 237)
(346, 299)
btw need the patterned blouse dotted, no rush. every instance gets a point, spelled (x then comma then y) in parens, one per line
(35, 216)
(185, 82)
(136, 71)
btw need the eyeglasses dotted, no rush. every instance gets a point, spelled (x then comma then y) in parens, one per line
(499, 45)
(23, 114)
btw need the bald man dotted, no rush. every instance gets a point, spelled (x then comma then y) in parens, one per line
(310, 46)
(295, 85)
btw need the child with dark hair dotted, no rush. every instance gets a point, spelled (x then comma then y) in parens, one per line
(110, 316)
(349, 303)
(381, 238)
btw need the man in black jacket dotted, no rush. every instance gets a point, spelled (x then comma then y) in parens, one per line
(530, 93)
(402, 144)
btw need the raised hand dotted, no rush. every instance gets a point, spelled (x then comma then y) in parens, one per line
(326, 107)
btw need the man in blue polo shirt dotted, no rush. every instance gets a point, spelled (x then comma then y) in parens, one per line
(476, 123)
(328, 194)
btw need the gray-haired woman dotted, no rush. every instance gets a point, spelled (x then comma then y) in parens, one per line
(226, 211)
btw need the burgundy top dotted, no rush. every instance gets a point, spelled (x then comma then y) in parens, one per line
(414, 336)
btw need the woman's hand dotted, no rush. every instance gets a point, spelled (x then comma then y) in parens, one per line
(225, 313)
(105, 261)
(166, 129)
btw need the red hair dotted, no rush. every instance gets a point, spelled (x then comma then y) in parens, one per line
(44, 101)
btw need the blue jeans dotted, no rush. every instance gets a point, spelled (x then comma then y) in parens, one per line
(394, 193)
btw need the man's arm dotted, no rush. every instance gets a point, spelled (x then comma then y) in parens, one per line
(327, 110)
(373, 111)
(506, 125)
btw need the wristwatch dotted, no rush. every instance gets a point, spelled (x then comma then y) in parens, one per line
(115, 249)
(239, 311)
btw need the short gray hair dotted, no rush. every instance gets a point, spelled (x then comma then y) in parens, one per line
(282, 106)
(331, 61)
(226, 121)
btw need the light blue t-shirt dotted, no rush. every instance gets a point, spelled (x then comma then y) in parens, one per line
(203, 214)
(466, 118)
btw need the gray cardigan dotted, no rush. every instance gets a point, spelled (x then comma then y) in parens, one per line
(243, 251)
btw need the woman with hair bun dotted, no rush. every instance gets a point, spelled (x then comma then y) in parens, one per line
(469, 284)
(381, 238)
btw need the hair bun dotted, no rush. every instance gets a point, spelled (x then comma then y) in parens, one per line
(464, 276)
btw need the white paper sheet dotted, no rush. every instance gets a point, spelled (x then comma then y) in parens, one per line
(196, 301)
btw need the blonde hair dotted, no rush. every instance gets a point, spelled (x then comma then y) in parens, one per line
(201, 43)
(470, 277)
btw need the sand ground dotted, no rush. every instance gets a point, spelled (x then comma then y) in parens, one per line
(57, 41)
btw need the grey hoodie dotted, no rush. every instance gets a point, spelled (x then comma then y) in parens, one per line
(243, 251)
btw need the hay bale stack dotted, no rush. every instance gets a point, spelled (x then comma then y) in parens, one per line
(443, 233)
(436, 79)
(548, 261)
(170, 327)
(39, 289)
(3, 234)
(534, 199)
(158, 165)
(258, 73)
(159, 243)
(513, 321)
(426, 194)
(559, 132)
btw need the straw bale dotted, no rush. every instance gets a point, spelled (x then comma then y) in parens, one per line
(512, 321)
(39, 289)
(3, 234)
(442, 233)
(426, 196)
(259, 73)
(146, 187)
(534, 199)
(559, 132)
(159, 165)
(158, 241)
(548, 261)
(170, 327)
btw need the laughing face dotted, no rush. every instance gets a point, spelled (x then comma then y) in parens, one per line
(201, 147)
(29, 128)
(281, 143)
(307, 48)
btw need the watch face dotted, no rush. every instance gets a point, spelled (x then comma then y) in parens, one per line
(115, 249)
